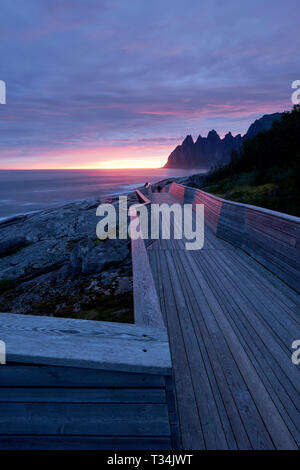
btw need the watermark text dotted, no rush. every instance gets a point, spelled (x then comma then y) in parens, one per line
(2, 92)
(296, 93)
(296, 353)
(2, 352)
(154, 221)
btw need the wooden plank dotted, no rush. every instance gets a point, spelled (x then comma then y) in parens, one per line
(213, 431)
(22, 375)
(213, 366)
(173, 414)
(92, 419)
(146, 304)
(231, 223)
(261, 225)
(224, 285)
(280, 292)
(274, 263)
(271, 246)
(267, 368)
(207, 306)
(284, 295)
(272, 419)
(264, 312)
(189, 421)
(81, 395)
(84, 343)
(257, 318)
(169, 380)
(268, 297)
(84, 443)
(278, 223)
(158, 285)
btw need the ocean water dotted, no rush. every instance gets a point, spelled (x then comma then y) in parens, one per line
(27, 191)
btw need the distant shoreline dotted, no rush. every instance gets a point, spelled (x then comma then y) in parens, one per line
(27, 192)
(24, 215)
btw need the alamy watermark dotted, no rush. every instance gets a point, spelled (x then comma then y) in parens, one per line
(155, 221)
(2, 352)
(296, 353)
(296, 94)
(2, 92)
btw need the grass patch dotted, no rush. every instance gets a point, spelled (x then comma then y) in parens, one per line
(279, 194)
(112, 308)
(118, 308)
(121, 316)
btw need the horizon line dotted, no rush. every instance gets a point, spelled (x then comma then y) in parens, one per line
(79, 168)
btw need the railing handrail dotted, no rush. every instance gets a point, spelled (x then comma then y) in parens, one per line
(146, 303)
(142, 347)
(270, 237)
(291, 218)
(89, 344)
(142, 197)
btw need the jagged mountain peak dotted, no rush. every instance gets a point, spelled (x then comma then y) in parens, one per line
(188, 140)
(212, 150)
(228, 135)
(213, 133)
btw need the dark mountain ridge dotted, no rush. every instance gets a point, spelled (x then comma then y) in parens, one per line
(210, 151)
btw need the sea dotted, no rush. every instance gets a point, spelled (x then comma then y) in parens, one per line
(28, 191)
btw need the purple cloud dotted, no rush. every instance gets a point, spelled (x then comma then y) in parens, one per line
(89, 73)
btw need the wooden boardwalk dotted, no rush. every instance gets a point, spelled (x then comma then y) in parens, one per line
(231, 324)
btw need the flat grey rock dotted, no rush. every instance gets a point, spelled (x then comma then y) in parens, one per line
(48, 259)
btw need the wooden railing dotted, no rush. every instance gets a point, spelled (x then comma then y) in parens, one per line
(79, 384)
(143, 194)
(146, 304)
(270, 237)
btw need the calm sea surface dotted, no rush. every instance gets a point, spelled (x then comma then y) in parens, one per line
(23, 192)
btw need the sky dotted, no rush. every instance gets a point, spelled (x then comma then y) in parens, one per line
(119, 83)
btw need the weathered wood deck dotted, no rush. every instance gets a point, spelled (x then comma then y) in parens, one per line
(80, 384)
(72, 384)
(231, 323)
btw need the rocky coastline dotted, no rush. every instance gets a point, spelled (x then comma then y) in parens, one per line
(52, 263)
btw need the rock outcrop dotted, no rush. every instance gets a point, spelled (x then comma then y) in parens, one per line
(53, 263)
(209, 151)
(205, 152)
(263, 124)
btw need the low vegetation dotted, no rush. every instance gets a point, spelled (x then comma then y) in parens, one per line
(103, 307)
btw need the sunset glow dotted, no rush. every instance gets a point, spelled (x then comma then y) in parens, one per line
(98, 158)
(118, 164)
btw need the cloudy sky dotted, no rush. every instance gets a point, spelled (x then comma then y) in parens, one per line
(102, 83)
